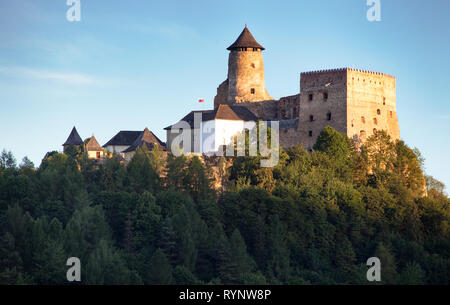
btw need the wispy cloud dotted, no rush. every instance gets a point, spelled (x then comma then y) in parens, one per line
(39, 74)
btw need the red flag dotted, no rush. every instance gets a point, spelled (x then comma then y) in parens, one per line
(201, 100)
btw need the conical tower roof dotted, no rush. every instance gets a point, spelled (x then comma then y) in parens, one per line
(245, 40)
(145, 138)
(74, 138)
(93, 145)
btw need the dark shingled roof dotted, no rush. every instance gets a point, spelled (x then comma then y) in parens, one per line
(146, 138)
(245, 40)
(93, 145)
(223, 112)
(74, 138)
(124, 137)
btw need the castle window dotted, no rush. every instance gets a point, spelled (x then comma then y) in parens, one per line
(311, 118)
(252, 91)
(378, 111)
(252, 65)
(374, 131)
(329, 116)
(362, 134)
(363, 120)
(375, 121)
(325, 96)
(310, 97)
(310, 133)
(390, 114)
(384, 100)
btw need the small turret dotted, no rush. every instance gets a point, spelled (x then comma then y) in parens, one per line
(73, 139)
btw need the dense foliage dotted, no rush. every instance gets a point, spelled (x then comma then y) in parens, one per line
(315, 218)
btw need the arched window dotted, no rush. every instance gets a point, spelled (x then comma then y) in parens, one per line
(329, 116)
(363, 120)
(311, 118)
(252, 90)
(374, 131)
(378, 111)
(375, 121)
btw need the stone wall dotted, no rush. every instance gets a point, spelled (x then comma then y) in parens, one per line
(222, 94)
(264, 110)
(246, 81)
(288, 107)
(322, 103)
(371, 104)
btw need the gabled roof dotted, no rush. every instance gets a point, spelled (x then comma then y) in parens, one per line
(124, 137)
(93, 145)
(237, 113)
(146, 138)
(245, 40)
(223, 112)
(74, 138)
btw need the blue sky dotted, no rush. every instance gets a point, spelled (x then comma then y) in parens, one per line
(133, 64)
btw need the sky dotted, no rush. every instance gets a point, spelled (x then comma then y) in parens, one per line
(127, 65)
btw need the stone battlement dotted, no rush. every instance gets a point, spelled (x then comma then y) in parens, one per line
(338, 70)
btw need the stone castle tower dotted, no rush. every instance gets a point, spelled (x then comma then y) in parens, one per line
(355, 102)
(246, 81)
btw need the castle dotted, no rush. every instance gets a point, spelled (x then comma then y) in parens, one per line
(355, 102)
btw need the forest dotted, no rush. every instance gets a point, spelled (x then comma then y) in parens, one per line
(314, 219)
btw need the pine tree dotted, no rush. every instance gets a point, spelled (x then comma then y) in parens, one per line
(128, 240)
(278, 260)
(239, 257)
(388, 265)
(160, 270)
